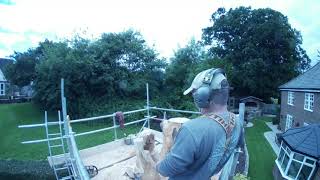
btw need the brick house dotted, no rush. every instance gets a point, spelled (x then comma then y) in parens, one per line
(300, 100)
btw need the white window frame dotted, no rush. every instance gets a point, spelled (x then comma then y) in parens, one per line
(290, 98)
(2, 89)
(289, 122)
(308, 101)
(287, 151)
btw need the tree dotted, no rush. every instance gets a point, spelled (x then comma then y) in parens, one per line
(264, 50)
(4, 62)
(180, 72)
(22, 71)
(129, 63)
(96, 73)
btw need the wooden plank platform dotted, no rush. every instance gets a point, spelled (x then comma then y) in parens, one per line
(111, 158)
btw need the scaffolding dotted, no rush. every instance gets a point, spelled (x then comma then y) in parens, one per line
(72, 166)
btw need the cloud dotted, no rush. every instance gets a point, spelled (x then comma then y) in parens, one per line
(11, 41)
(6, 2)
(2, 46)
(165, 24)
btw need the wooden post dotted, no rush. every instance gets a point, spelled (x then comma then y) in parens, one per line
(238, 150)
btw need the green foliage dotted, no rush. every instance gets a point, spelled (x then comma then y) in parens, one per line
(114, 67)
(180, 72)
(258, 49)
(214, 63)
(185, 65)
(16, 170)
(240, 177)
(264, 50)
(22, 71)
(4, 63)
(275, 120)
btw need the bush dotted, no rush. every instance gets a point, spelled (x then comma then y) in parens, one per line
(275, 120)
(116, 66)
(16, 170)
(240, 177)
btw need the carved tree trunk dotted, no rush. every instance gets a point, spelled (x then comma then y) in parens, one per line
(147, 157)
(170, 129)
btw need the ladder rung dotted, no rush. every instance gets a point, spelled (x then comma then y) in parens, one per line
(66, 177)
(58, 145)
(59, 169)
(54, 134)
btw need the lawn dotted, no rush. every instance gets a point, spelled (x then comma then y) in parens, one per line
(12, 115)
(262, 156)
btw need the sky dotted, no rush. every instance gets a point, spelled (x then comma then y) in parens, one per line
(165, 24)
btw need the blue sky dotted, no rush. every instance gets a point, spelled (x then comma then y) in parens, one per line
(165, 24)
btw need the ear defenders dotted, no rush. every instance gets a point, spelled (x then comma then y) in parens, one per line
(202, 95)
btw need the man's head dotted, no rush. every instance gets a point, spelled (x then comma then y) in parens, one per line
(209, 88)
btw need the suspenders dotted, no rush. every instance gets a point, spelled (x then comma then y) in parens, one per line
(228, 127)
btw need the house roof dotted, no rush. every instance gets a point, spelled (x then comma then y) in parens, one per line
(305, 140)
(2, 78)
(250, 97)
(308, 80)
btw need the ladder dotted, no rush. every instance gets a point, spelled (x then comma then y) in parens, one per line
(66, 170)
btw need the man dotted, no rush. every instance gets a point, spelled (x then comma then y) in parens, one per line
(204, 145)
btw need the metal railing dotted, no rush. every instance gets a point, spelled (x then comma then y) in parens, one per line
(77, 168)
(113, 116)
(73, 153)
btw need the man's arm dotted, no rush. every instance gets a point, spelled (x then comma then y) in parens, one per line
(181, 155)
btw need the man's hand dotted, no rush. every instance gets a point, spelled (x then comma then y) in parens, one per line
(150, 158)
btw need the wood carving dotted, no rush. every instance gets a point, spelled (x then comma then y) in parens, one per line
(147, 157)
(170, 129)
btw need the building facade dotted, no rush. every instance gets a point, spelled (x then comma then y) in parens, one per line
(300, 100)
(299, 108)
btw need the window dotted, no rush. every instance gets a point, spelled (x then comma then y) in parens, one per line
(2, 89)
(290, 98)
(293, 165)
(289, 122)
(308, 101)
(231, 102)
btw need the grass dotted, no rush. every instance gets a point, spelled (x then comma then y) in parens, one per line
(12, 115)
(261, 155)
